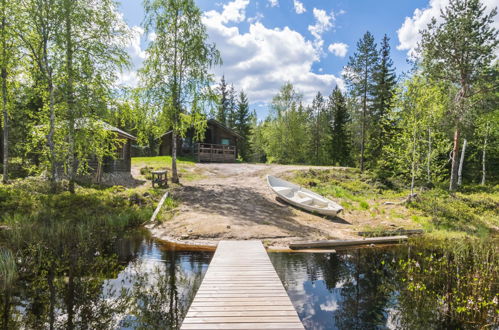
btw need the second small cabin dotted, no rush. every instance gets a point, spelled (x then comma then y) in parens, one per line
(220, 144)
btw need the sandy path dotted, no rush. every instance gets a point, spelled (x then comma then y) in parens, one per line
(233, 201)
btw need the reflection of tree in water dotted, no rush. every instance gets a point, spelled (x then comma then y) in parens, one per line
(314, 266)
(63, 271)
(366, 291)
(160, 298)
(61, 268)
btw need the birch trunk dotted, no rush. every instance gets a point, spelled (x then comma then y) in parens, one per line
(363, 124)
(70, 98)
(413, 164)
(4, 98)
(428, 164)
(484, 155)
(461, 162)
(174, 158)
(50, 136)
(454, 159)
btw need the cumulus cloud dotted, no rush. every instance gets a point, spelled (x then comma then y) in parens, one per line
(273, 3)
(338, 49)
(137, 56)
(323, 23)
(299, 7)
(234, 11)
(409, 32)
(261, 60)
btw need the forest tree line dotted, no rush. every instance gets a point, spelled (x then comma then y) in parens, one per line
(438, 122)
(59, 61)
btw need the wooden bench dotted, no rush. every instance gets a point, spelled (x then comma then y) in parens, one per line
(160, 178)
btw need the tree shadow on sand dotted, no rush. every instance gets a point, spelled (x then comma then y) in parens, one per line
(247, 206)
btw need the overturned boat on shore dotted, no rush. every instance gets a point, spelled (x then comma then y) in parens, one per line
(303, 198)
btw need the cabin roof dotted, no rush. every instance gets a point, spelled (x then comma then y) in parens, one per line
(215, 122)
(85, 122)
(119, 131)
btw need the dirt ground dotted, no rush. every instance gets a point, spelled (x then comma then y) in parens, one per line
(233, 201)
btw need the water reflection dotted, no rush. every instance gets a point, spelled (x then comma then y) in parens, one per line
(130, 282)
(404, 287)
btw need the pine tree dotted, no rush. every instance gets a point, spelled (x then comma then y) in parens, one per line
(359, 76)
(458, 50)
(340, 146)
(384, 90)
(243, 124)
(223, 92)
(231, 108)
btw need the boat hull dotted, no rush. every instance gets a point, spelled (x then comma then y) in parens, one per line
(303, 198)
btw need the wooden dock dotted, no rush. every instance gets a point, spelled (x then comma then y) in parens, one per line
(241, 290)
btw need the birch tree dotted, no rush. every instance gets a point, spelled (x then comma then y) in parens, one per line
(37, 29)
(8, 54)
(458, 50)
(175, 73)
(93, 39)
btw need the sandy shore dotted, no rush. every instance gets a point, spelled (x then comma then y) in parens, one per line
(233, 201)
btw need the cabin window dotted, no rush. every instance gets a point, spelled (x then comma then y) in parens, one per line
(225, 142)
(121, 151)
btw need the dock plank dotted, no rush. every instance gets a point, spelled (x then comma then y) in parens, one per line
(241, 290)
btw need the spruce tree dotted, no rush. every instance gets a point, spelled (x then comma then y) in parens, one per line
(223, 100)
(243, 124)
(359, 75)
(318, 130)
(340, 146)
(383, 93)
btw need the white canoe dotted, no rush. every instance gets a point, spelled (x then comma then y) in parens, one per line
(303, 198)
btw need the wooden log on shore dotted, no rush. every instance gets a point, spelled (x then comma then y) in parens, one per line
(396, 232)
(158, 208)
(348, 242)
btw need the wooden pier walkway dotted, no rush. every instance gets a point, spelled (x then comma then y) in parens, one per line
(241, 290)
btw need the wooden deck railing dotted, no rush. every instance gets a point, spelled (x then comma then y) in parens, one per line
(207, 152)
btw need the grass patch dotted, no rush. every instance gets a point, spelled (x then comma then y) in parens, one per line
(473, 211)
(161, 161)
(185, 166)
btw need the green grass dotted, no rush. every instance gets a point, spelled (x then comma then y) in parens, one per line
(185, 166)
(161, 161)
(473, 211)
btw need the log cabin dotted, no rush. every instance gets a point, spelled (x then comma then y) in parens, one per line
(220, 144)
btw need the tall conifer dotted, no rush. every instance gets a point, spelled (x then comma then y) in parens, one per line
(359, 75)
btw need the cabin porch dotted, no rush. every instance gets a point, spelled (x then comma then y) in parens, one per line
(209, 152)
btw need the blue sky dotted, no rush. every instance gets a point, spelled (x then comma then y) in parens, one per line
(265, 43)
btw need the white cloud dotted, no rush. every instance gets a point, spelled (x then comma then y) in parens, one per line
(323, 23)
(261, 60)
(234, 11)
(338, 49)
(137, 56)
(134, 48)
(299, 7)
(408, 33)
(329, 306)
(273, 3)
(255, 18)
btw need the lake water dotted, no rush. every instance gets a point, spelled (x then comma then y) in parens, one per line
(135, 282)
